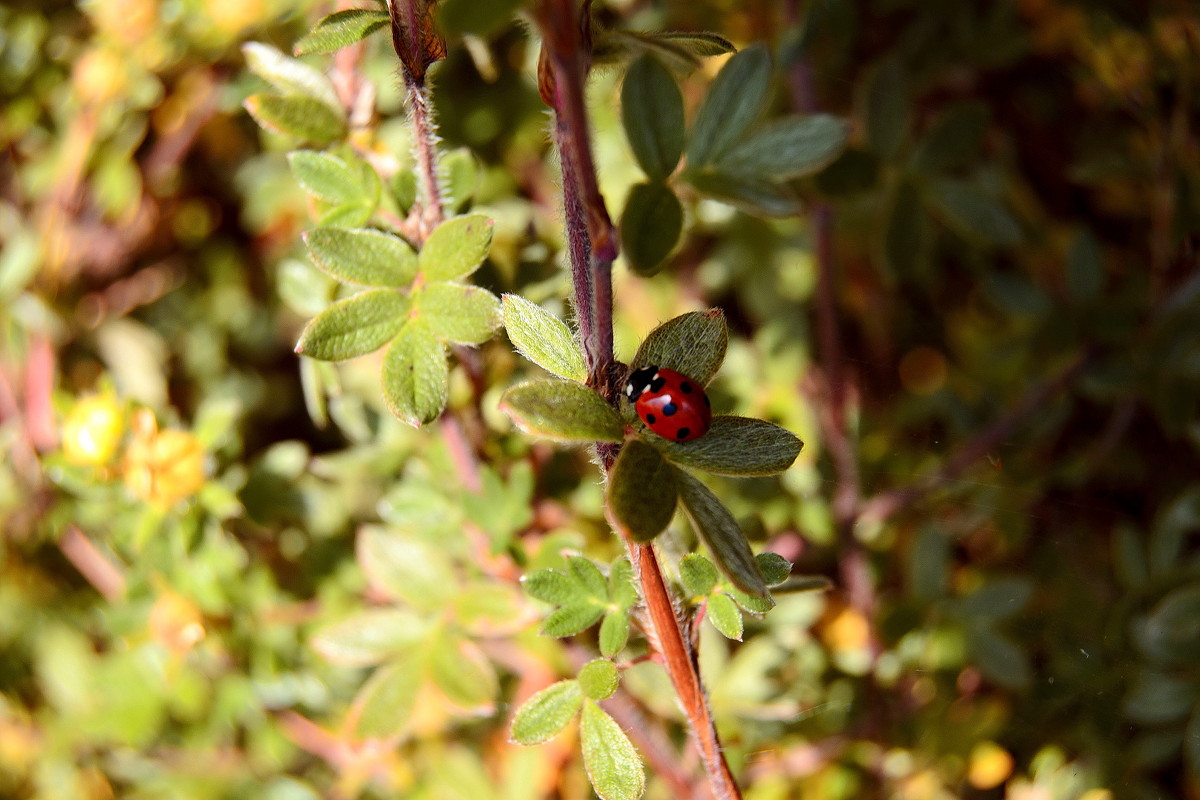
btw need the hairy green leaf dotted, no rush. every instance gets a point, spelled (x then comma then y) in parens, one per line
(786, 148)
(698, 574)
(614, 632)
(775, 568)
(562, 410)
(341, 29)
(572, 619)
(542, 338)
(700, 44)
(692, 344)
(725, 616)
(302, 118)
(383, 707)
(652, 112)
(752, 195)
(598, 679)
(363, 256)
(734, 101)
(641, 491)
(347, 215)
(552, 586)
(651, 225)
(456, 248)
(718, 529)
(327, 177)
(458, 313)
(355, 326)
(613, 766)
(415, 375)
(589, 576)
(621, 588)
(289, 76)
(369, 637)
(544, 715)
(462, 671)
(461, 169)
(736, 446)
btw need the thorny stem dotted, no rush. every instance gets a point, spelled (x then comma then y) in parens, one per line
(592, 247)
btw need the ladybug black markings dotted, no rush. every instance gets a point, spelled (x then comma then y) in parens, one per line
(685, 410)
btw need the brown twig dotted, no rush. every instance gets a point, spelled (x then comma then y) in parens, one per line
(99, 570)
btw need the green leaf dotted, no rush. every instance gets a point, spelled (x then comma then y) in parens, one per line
(1170, 632)
(734, 101)
(404, 189)
(362, 256)
(383, 707)
(701, 44)
(999, 658)
(462, 671)
(718, 529)
(289, 76)
(641, 491)
(544, 715)
(598, 679)
(456, 248)
(460, 17)
(786, 148)
(1157, 697)
(405, 567)
(725, 616)
(589, 576)
(327, 177)
(347, 215)
(564, 411)
(552, 586)
(692, 344)
(679, 51)
(652, 112)
(341, 29)
(542, 338)
(775, 568)
(651, 225)
(1085, 267)
(698, 574)
(355, 326)
(621, 589)
(752, 195)
(461, 169)
(415, 375)
(369, 637)
(614, 632)
(458, 313)
(887, 109)
(975, 213)
(572, 619)
(756, 605)
(929, 564)
(997, 599)
(302, 118)
(803, 583)
(737, 446)
(955, 140)
(903, 228)
(613, 766)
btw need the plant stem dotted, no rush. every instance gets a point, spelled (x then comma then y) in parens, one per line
(592, 247)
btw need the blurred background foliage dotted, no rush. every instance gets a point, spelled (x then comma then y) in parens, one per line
(187, 510)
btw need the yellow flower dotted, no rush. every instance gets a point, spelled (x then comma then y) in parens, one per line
(163, 467)
(92, 431)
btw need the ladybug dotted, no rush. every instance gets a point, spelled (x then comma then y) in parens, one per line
(671, 404)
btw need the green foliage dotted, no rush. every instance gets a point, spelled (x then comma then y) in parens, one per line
(598, 679)
(692, 344)
(613, 765)
(641, 491)
(542, 338)
(652, 111)
(733, 104)
(365, 257)
(545, 714)
(301, 118)
(736, 446)
(562, 410)
(651, 225)
(341, 29)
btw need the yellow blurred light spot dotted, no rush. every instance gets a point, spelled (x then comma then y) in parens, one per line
(163, 467)
(233, 16)
(848, 630)
(126, 20)
(990, 765)
(923, 370)
(98, 76)
(1097, 794)
(175, 622)
(92, 431)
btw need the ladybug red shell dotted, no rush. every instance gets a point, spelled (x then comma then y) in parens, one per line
(671, 404)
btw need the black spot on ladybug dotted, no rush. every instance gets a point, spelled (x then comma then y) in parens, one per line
(706, 401)
(669, 409)
(682, 433)
(657, 383)
(685, 387)
(650, 419)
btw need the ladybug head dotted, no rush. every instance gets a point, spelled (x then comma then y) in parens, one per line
(639, 381)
